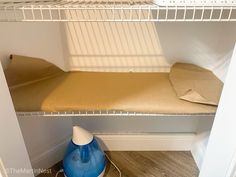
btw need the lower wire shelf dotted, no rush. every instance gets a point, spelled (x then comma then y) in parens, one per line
(108, 113)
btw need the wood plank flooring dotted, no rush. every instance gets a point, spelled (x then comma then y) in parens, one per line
(146, 164)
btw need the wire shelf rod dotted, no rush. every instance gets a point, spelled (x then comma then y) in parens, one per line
(107, 113)
(114, 11)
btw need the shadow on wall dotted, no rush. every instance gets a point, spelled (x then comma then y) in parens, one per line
(208, 45)
(146, 46)
(109, 46)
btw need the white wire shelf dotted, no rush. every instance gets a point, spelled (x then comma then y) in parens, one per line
(111, 11)
(107, 113)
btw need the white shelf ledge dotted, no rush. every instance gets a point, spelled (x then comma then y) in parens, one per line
(111, 11)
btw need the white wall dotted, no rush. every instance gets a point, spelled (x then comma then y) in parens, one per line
(209, 45)
(45, 139)
(222, 144)
(227, 41)
(201, 140)
(148, 46)
(140, 124)
(13, 152)
(113, 47)
(41, 40)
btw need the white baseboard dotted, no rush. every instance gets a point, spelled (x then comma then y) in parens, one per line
(124, 142)
(50, 157)
(198, 155)
(147, 142)
(199, 147)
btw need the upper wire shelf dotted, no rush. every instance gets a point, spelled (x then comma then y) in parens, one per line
(113, 10)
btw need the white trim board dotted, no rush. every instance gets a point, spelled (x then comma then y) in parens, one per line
(198, 153)
(122, 142)
(47, 159)
(147, 142)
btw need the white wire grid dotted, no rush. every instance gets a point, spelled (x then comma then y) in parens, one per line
(111, 11)
(108, 113)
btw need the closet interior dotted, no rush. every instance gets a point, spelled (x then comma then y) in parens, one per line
(116, 68)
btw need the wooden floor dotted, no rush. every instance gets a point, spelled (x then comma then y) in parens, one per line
(146, 164)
